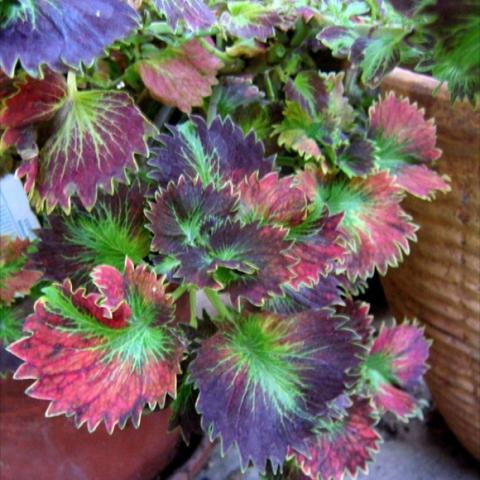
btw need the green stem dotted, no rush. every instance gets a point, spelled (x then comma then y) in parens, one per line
(179, 292)
(269, 87)
(214, 51)
(212, 105)
(192, 293)
(71, 83)
(217, 303)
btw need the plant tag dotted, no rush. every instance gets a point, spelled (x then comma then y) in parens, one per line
(16, 216)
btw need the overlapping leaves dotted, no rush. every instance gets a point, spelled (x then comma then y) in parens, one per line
(216, 153)
(376, 229)
(315, 117)
(195, 224)
(101, 357)
(71, 246)
(93, 137)
(265, 379)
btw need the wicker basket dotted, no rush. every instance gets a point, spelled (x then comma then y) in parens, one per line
(439, 283)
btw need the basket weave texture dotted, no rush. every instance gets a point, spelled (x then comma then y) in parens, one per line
(439, 283)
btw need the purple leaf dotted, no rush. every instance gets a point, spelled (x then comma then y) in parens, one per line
(184, 213)
(358, 158)
(264, 380)
(193, 13)
(70, 246)
(216, 153)
(250, 20)
(249, 261)
(325, 293)
(61, 33)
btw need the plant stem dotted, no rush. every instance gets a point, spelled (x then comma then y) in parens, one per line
(71, 83)
(214, 51)
(212, 105)
(192, 293)
(269, 87)
(179, 292)
(217, 303)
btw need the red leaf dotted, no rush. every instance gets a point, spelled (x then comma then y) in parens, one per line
(181, 77)
(99, 364)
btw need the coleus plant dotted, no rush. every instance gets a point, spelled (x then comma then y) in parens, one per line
(221, 155)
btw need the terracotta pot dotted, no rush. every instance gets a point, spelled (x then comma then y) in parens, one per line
(53, 449)
(439, 283)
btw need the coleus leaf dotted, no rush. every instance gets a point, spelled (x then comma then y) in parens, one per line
(280, 201)
(16, 278)
(70, 246)
(338, 39)
(359, 318)
(247, 261)
(102, 356)
(264, 379)
(93, 137)
(181, 76)
(83, 29)
(215, 153)
(195, 224)
(375, 227)
(250, 20)
(6, 85)
(341, 446)
(395, 366)
(377, 56)
(185, 212)
(405, 143)
(316, 246)
(325, 293)
(315, 115)
(235, 92)
(272, 199)
(195, 14)
(358, 158)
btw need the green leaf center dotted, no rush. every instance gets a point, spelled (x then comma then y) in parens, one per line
(106, 238)
(136, 343)
(260, 349)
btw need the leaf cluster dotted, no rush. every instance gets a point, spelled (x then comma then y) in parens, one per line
(216, 182)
